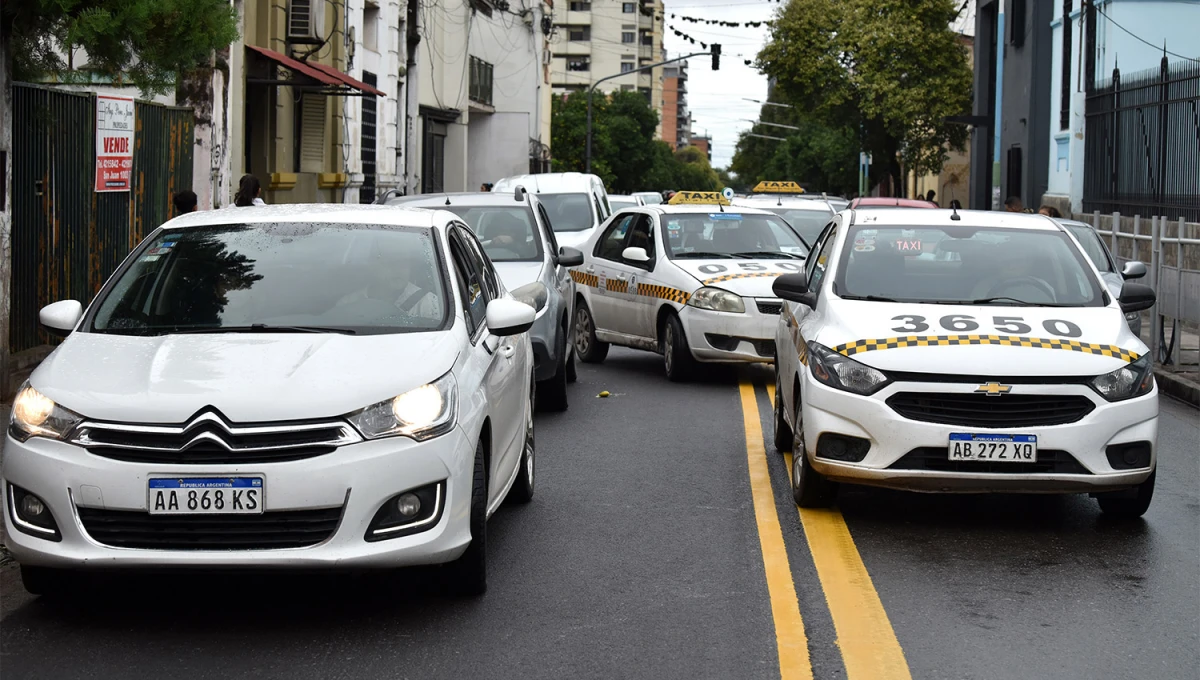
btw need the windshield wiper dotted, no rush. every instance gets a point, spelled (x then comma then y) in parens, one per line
(868, 298)
(769, 253)
(703, 254)
(261, 328)
(1000, 298)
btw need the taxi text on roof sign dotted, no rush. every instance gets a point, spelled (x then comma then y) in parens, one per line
(698, 198)
(778, 188)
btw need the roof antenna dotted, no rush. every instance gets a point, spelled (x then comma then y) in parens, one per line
(954, 211)
(447, 199)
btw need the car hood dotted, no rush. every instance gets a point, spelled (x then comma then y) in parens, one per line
(748, 278)
(247, 377)
(1104, 343)
(517, 274)
(573, 239)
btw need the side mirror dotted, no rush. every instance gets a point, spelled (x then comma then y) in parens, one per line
(794, 288)
(569, 257)
(1133, 270)
(533, 294)
(61, 317)
(1137, 296)
(509, 317)
(635, 254)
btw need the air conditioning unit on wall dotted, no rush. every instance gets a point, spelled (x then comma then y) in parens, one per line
(305, 21)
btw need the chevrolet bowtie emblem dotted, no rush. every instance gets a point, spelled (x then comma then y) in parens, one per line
(993, 389)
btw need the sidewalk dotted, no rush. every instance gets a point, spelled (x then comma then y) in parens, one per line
(1182, 381)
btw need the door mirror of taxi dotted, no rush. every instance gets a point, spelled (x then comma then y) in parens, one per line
(569, 257)
(635, 254)
(533, 294)
(509, 317)
(794, 288)
(1133, 270)
(61, 317)
(1136, 296)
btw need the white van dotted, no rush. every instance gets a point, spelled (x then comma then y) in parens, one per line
(576, 202)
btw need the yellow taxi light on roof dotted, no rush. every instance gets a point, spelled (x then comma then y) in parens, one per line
(778, 188)
(698, 198)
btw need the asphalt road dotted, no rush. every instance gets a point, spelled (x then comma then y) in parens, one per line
(663, 543)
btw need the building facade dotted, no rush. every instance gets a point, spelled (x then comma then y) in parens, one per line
(676, 118)
(704, 143)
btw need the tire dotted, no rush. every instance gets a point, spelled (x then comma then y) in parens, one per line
(678, 361)
(572, 374)
(810, 489)
(589, 349)
(1129, 504)
(552, 393)
(522, 489)
(468, 574)
(783, 432)
(42, 580)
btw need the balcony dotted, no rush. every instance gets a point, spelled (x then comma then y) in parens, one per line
(646, 52)
(480, 82)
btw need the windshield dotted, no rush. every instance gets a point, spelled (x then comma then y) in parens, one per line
(507, 233)
(340, 278)
(731, 235)
(1092, 247)
(809, 223)
(618, 203)
(568, 212)
(965, 265)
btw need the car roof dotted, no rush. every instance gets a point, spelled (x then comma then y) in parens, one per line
(309, 212)
(704, 209)
(552, 182)
(790, 202)
(468, 198)
(938, 218)
(895, 202)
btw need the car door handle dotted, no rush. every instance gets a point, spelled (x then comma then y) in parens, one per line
(591, 270)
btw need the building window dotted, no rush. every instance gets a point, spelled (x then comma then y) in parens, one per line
(626, 67)
(628, 7)
(370, 29)
(579, 64)
(581, 6)
(1016, 26)
(647, 39)
(368, 141)
(627, 88)
(627, 37)
(579, 33)
(480, 81)
(433, 161)
(312, 133)
(1064, 105)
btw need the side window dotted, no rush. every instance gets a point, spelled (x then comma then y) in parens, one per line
(642, 236)
(481, 262)
(549, 228)
(612, 243)
(821, 262)
(469, 287)
(811, 262)
(601, 215)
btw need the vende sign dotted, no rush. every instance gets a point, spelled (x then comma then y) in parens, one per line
(114, 143)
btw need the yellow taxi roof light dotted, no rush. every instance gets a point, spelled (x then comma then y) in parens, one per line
(698, 198)
(778, 188)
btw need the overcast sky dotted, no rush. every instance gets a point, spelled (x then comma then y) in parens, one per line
(717, 98)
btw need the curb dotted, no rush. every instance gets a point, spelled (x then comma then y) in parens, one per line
(1183, 389)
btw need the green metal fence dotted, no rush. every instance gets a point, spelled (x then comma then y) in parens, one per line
(66, 238)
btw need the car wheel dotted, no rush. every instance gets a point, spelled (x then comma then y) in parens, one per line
(1128, 504)
(572, 375)
(552, 393)
(468, 574)
(589, 349)
(810, 489)
(677, 357)
(41, 580)
(522, 490)
(783, 432)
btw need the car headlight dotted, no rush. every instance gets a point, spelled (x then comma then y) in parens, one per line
(421, 413)
(717, 300)
(843, 373)
(1131, 380)
(36, 415)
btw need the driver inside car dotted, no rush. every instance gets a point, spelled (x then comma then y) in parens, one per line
(508, 232)
(393, 279)
(1014, 272)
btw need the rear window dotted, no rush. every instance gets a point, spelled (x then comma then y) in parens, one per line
(569, 212)
(508, 233)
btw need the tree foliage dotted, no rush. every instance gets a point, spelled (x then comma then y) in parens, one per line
(892, 69)
(625, 153)
(145, 43)
(816, 155)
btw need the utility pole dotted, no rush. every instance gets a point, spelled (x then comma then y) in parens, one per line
(996, 126)
(715, 53)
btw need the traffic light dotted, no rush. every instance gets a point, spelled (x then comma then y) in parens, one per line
(716, 57)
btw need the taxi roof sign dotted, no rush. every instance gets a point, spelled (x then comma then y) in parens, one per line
(778, 188)
(698, 198)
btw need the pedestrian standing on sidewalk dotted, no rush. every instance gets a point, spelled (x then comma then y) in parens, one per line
(1014, 204)
(1049, 211)
(248, 193)
(185, 201)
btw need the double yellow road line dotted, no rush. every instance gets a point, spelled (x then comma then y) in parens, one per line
(864, 635)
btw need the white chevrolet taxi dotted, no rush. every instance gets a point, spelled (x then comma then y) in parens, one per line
(690, 279)
(807, 214)
(963, 352)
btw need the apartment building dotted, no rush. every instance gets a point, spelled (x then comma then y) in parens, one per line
(676, 118)
(595, 39)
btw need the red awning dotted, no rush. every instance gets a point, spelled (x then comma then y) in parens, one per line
(318, 72)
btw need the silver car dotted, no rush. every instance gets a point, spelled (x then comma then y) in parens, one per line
(1100, 256)
(517, 236)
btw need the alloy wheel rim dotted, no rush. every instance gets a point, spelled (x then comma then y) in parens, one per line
(529, 446)
(669, 348)
(582, 331)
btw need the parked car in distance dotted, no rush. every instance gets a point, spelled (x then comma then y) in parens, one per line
(576, 202)
(887, 202)
(1114, 279)
(619, 201)
(649, 197)
(517, 237)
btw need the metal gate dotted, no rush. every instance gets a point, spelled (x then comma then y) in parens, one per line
(66, 238)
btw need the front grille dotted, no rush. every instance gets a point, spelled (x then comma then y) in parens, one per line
(938, 459)
(268, 531)
(764, 348)
(982, 410)
(209, 439)
(769, 307)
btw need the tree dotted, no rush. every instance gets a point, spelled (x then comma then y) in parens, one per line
(693, 172)
(816, 155)
(891, 69)
(623, 127)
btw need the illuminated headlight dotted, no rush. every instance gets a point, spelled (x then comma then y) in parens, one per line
(717, 300)
(1129, 381)
(36, 415)
(843, 373)
(421, 413)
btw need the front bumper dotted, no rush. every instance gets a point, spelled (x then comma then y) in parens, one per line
(357, 478)
(723, 337)
(893, 438)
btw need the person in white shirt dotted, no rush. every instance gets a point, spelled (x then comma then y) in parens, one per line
(249, 192)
